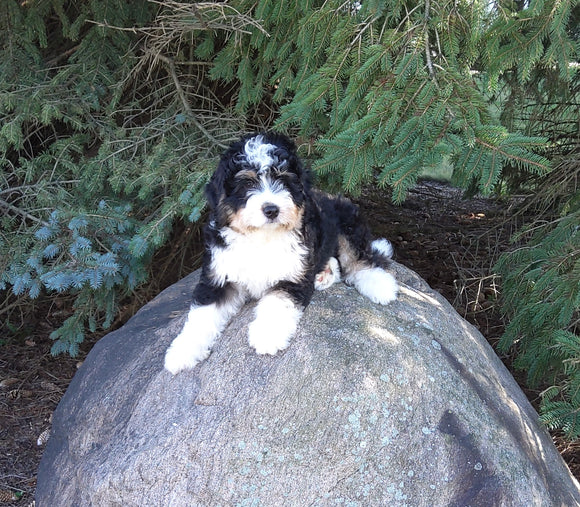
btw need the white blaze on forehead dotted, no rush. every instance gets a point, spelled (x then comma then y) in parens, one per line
(258, 152)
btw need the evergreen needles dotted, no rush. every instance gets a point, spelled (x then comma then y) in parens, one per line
(105, 142)
(541, 295)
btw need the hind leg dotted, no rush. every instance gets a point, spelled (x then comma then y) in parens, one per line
(328, 276)
(361, 267)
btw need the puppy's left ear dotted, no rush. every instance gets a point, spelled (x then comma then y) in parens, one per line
(302, 171)
(300, 168)
(305, 176)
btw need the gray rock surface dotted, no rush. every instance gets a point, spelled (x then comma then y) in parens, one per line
(398, 405)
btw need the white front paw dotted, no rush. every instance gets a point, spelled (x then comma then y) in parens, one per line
(276, 320)
(265, 338)
(193, 344)
(184, 354)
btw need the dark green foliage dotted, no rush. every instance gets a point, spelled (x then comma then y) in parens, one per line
(387, 89)
(541, 297)
(101, 149)
(542, 292)
(541, 288)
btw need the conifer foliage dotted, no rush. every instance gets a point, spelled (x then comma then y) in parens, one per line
(541, 291)
(387, 88)
(541, 276)
(103, 145)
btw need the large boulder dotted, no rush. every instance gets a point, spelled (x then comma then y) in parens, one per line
(398, 405)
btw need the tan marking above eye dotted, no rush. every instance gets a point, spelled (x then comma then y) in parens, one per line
(246, 174)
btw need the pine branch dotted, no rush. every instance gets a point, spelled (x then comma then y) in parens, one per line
(427, 43)
(540, 167)
(21, 212)
(184, 102)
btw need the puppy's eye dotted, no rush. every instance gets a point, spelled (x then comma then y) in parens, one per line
(246, 183)
(285, 176)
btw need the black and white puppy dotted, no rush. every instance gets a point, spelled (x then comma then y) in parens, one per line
(273, 238)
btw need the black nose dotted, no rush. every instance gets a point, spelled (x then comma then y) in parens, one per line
(270, 210)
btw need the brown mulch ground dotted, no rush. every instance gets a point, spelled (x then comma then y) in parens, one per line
(451, 242)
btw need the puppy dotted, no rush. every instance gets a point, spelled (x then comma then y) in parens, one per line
(273, 238)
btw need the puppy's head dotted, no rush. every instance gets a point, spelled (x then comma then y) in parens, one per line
(260, 183)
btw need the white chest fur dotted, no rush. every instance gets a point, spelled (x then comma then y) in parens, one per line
(257, 261)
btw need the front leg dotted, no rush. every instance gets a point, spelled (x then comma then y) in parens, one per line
(204, 324)
(277, 316)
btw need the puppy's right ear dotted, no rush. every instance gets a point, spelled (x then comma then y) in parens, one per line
(214, 190)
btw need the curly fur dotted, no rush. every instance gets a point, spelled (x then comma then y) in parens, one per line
(272, 237)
